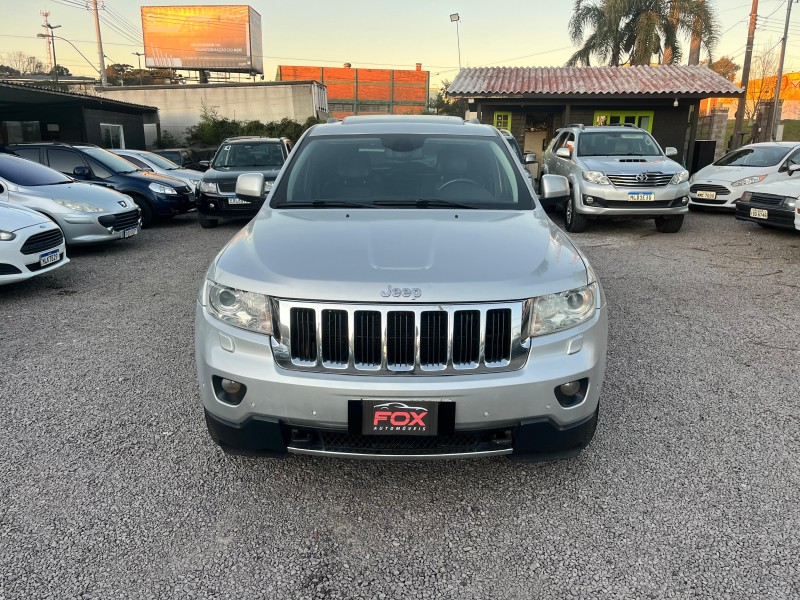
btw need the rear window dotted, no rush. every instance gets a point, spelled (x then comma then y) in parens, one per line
(382, 170)
(759, 156)
(28, 173)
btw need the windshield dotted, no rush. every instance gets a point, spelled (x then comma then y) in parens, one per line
(251, 154)
(408, 170)
(109, 160)
(617, 143)
(758, 156)
(28, 173)
(160, 161)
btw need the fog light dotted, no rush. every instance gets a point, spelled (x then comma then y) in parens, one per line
(589, 200)
(568, 389)
(685, 200)
(234, 387)
(210, 205)
(110, 229)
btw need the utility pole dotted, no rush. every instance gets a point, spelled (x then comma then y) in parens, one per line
(776, 99)
(736, 140)
(103, 78)
(139, 56)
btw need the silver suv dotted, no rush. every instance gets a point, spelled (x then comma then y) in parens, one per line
(401, 294)
(618, 171)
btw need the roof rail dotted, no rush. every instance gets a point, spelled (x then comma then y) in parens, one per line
(580, 125)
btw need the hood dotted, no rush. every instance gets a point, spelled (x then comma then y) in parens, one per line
(630, 164)
(99, 196)
(232, 173)
(351, 256)
(719, 173)
(786, 187)
(14, 217)
(151, 177)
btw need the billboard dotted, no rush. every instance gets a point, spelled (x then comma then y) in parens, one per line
(215, 38)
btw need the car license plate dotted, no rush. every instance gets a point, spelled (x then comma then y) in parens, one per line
(759, 213)
(399, 417)
(48, 258)
(131, 231)
(707, 195)
(237, 201)
(641, 196)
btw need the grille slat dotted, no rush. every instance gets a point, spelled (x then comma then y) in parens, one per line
(304, 334)
(39, 242)
(767, 199)
(721, 190)
(227, 187)
(400, 339)
(335, 339)
(433, 339)
(498, 336)
(631, 181)
(466, 340)
(367, 342)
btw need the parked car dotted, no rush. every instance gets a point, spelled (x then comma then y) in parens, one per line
(149, 161)
(618, 171)
(30, 244)
(216, 197)
(528, 161)
(772, 204)
(372, 307)
(87, 214)
(187, 158)
(158, 196)
(722, 183)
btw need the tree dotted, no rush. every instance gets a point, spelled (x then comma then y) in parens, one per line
(725, 67)
(442, 105)
(9, 71)
(634, 31)
(24, 64)
(60, 70)
(761, 87)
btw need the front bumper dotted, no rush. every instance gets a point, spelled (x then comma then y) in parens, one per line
(725, 195)
(777, 216)
(319, 403)
(82, 228)
(166, 205)
(608, 200)
(16, 266)
(219, 206)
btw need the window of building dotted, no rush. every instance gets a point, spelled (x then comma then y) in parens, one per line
(502, 120)
(341, 107)
(640, 118)
(112, 135)
(14, 132)
(382, 109)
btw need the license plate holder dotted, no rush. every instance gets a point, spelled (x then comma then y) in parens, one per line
(234, 200)
(706, 195)
(759, 213)
(48, 258)
(131, 231)
(369, 417)
(641, 196)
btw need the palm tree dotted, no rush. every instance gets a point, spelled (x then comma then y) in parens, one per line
(633, 31)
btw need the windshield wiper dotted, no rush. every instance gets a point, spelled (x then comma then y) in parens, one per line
(325, 204)
(425, 203)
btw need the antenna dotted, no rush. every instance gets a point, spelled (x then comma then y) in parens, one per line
(48, 41)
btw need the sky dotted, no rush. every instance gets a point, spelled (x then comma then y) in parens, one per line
(375, 33)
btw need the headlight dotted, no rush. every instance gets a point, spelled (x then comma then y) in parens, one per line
(209, 187)
(680, 178)
(268, 186)
(746, 197)
(79, 206)
(556, 312)
(596, 177)
(790, 202)
(748, 180)
(162, 189)
(246, 310)
(7, 236)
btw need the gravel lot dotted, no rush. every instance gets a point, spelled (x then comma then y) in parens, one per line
(111, 488)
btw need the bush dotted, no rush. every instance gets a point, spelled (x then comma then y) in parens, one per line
(168, 140)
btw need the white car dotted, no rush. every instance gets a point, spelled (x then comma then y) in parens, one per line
(30, 244)
(772, 204)
(149, 161)
(722, 183)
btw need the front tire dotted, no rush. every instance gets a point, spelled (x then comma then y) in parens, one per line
(669, 224)
(574, 222)
(205, 222)
(148, 216)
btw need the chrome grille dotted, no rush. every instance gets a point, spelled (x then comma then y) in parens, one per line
(399, 339)
(720, 190)
(632, 181)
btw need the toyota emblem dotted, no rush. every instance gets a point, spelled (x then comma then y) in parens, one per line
(641, 177)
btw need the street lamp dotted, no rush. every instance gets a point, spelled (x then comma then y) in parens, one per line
(139, 56)
(455, 18)
(53, 43)
(58, 37)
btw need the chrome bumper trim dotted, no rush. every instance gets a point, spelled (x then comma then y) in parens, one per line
(365, 456)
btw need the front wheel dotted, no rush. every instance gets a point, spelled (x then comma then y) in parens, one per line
(574, 222)
(147, 211)
(669, 224)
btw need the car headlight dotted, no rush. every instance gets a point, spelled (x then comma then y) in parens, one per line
(246, 310)
(790, 202)
(159, 188)
(748, 180)
(209, 187)
(679, 178)
(268, 186)
(746, 197)
(596, 177)
(7, 236)
(556, 312)
(79, 206)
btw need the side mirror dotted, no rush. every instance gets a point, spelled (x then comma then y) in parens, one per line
(250, 187)
(554, 186)
(205, 163)
(564, 153)
(530, 158)
(671, 151)
(81, 173)
(793, 169)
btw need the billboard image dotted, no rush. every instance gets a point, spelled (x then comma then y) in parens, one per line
(215, 38)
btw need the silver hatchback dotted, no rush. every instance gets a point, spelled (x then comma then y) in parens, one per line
(618, 171)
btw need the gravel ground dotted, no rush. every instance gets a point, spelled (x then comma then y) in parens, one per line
(111, 488)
